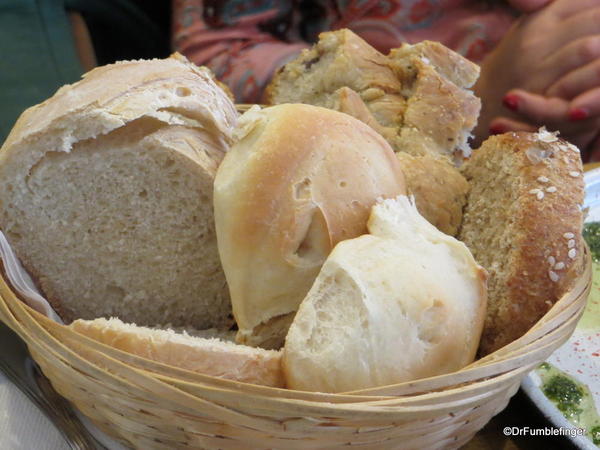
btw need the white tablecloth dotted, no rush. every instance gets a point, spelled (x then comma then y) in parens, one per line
(22, 425)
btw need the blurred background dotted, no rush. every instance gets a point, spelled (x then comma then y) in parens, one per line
(48, 43)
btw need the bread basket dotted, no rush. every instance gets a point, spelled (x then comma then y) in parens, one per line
(150, 405)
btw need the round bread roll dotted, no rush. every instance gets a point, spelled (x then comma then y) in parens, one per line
(106, 194)
(403, 302)
(300, 179)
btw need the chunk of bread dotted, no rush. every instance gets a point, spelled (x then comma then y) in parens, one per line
(401, 303)
(300, 179)
(106, 194)
(417, 98)
(439, 189)
(418, 93)
(209, 356)
(523, 223)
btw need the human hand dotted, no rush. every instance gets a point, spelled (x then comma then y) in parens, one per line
(528, 6)
(554, 51)
(534, 110)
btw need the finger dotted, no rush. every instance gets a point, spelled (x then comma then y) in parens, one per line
(585, 106)
(503, 124)
(576, 82)
(575, 54)
(566, 8)
(535, 108)
(583, 23)
(528, 6)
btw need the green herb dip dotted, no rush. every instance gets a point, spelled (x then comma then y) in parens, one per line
(591, 234)
(591, 315)
(572, 398)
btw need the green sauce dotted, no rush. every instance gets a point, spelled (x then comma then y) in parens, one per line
(572, 398)
(591, 234)
(591, 315)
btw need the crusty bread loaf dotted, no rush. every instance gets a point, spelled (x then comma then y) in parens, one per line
(523, 223)
(300, 179)
(401, 303)
(106, 194)
(418, 93)
(209, 356)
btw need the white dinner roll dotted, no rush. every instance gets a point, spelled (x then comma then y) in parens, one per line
(300, 179)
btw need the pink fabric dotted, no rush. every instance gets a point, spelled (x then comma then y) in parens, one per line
(244, 42)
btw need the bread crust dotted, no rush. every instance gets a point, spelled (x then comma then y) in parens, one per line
(544, 245)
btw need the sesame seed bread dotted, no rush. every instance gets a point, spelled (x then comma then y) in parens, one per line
(523, 223)
(209, 356)
(299, 179)
(400, 303)
(106, 194)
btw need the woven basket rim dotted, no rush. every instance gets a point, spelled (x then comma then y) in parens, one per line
(569, 308)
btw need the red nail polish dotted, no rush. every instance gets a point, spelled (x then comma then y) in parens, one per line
(497, 129)
(578, 114)
(511, 101)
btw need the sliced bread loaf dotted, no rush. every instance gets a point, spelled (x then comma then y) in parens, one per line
(209, 356)
(106, 194)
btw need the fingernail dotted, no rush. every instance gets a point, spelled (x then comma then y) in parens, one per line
(511, 101)
(497, 129)
(578, 114)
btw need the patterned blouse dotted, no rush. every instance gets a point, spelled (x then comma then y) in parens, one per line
(245, 41)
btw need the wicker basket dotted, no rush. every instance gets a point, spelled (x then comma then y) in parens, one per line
(150, 405)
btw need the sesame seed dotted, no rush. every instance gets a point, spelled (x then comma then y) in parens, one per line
(566, 160)
(572, 253)
(574, 174)
(535, 191)
(551, 260)
(546, 136)
(540, 195)
(553, 275)
(568, 235)
(543, 179)
(559, 266)
(551, 189)
(571, 243)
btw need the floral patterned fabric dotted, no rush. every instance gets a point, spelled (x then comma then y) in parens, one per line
(244, 41)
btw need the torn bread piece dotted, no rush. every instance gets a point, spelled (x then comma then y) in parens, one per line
(401, 303)
(420, 91)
